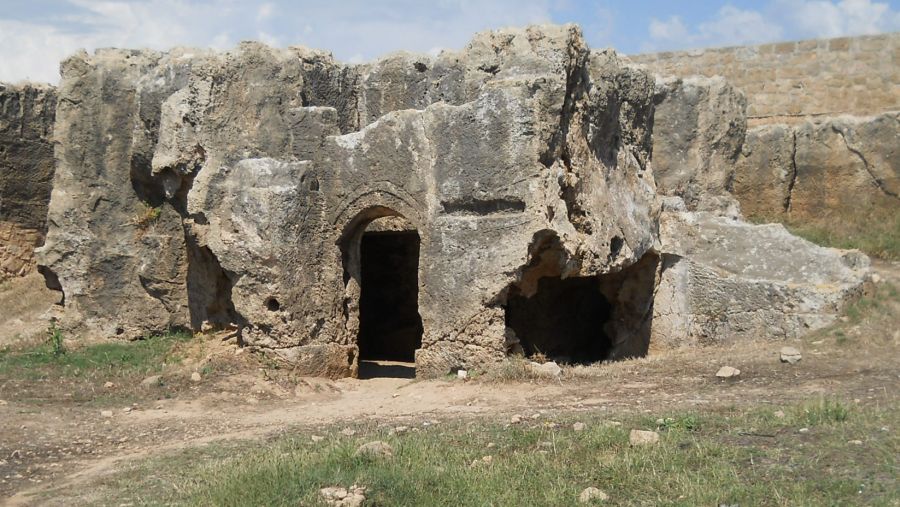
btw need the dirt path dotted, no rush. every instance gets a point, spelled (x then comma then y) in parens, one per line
(67, 445)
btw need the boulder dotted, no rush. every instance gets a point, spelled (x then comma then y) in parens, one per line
(724, 280)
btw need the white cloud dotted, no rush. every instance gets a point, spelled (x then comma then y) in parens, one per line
(778, 20)
(265, 11)
(819, 18)
(671, 30)
(358, 29)
(731, 26)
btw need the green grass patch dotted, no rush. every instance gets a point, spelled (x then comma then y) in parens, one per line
(733, 456)
(877, 234)
(112, 360)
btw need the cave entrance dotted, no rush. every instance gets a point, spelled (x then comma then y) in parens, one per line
(579, 319)
(565, 320)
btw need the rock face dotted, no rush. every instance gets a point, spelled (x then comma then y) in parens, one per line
(698, 130)
(847, 167)
(26, 173)
(726, 280)
(509, 189)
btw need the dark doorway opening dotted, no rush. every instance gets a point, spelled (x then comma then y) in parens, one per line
(564, 320)
(390, 327)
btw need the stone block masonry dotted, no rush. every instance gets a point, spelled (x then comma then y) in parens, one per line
(791, 81)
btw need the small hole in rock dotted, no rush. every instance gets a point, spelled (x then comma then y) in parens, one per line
(119, 331)
(272, 304)
(421, 67)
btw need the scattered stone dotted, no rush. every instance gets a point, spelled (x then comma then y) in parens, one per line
(855, 442)
(790, 355)
(803, 430)
(876, 278)
(462, 374)
(106, 413)
(548, 369)
(728, 372)
(516, 419)
(341, 497)
(641, 437)
(152, 381)
(348, 432)
(17, 454)
(579, 426)
(779, 414)
(592, 494)
(195, 377)
(376, 449)
(485, 460)
(491, 445)
(109, 385)
(317, 438)
(127, 409)
(536, 416)
(399, 430)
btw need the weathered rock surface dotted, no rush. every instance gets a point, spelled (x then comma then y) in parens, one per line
(843, 168)
(726, 280)
(260, 169)
(698, 130)
(26, 172)
(232, 190)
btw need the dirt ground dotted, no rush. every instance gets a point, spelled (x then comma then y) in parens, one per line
(59, 436)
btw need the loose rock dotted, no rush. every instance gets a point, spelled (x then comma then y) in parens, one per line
(152, 381)
(376, 449)
(341, 497)
(348, 432)
(641, 437)
(579, 426)
(462, 374)
(548, 369)
(728, 372)
(106, 413)
(790, 355)
(516, 419)
(592, 494)
(195, 377)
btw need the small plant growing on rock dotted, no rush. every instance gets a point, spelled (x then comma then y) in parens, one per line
(147, 217)
(55, 339)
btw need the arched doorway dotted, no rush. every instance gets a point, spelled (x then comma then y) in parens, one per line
(382, 257)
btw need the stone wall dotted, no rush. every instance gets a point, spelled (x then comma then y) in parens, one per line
(837, 173)
(791, 81)
(26, 173)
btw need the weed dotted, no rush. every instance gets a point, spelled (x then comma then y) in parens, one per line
(684, 422)
(55, 340)
(823, 411)
(147, 217)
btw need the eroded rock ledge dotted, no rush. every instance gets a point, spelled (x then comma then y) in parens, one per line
(513, 179)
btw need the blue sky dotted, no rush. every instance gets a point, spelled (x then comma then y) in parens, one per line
(36, 34)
